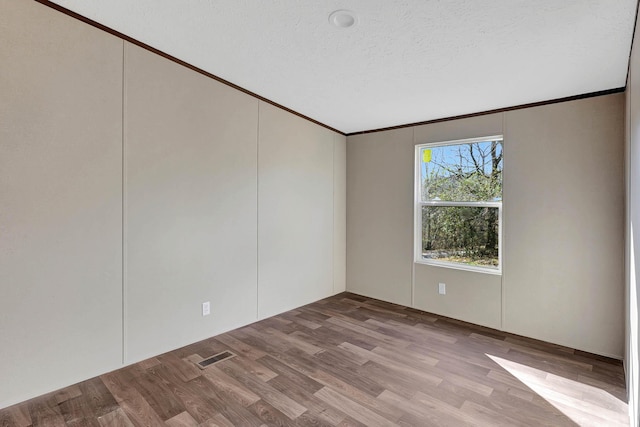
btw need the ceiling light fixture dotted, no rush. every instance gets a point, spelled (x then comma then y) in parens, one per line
(343, 18)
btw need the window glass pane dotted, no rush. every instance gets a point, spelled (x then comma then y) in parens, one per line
(462, 235)
(463, 172)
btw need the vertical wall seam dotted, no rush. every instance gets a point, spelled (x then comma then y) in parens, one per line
(503, 297)
(123, 204)
(333, 220)
(627, 216)
(258, 214)
(632, 384)
(413, 239)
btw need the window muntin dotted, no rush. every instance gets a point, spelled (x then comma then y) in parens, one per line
(459, 203)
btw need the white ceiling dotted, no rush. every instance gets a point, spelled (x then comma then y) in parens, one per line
(405, 61)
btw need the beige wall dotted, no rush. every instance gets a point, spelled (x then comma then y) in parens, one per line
(470, 296)
(563, 209)
(185, 162)
(563, 241)
(190, 205)
(380, 215)
(60, 201)
(632, 235)
(295, 212)
(339, 213)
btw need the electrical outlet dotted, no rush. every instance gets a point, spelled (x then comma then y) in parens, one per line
(206, 308)
(442, 288)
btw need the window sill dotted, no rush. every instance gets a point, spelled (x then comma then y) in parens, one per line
(453, 266)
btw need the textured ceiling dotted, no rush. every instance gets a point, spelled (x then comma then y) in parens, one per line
(404, 62)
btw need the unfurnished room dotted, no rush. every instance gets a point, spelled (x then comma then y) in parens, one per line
(319, 213)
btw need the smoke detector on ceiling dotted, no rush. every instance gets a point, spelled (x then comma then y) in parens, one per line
(343, 18)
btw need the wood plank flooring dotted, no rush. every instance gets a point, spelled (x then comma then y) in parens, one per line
(348, 361)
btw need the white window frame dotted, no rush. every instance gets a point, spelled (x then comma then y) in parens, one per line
(419, 203)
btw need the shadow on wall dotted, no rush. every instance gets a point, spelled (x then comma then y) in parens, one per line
(633, 304)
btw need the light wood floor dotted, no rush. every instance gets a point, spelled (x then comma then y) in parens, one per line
(348, 361)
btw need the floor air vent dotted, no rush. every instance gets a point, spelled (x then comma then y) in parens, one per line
(215, 359)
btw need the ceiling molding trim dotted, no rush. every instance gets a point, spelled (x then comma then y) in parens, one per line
(633, 39)
(499, 110)
(145, 46)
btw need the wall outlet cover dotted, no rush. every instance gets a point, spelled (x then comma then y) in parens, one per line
(442, 288)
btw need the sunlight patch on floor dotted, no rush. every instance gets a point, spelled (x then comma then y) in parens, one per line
(574, 399)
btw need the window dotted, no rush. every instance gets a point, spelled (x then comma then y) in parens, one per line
(458, 206)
